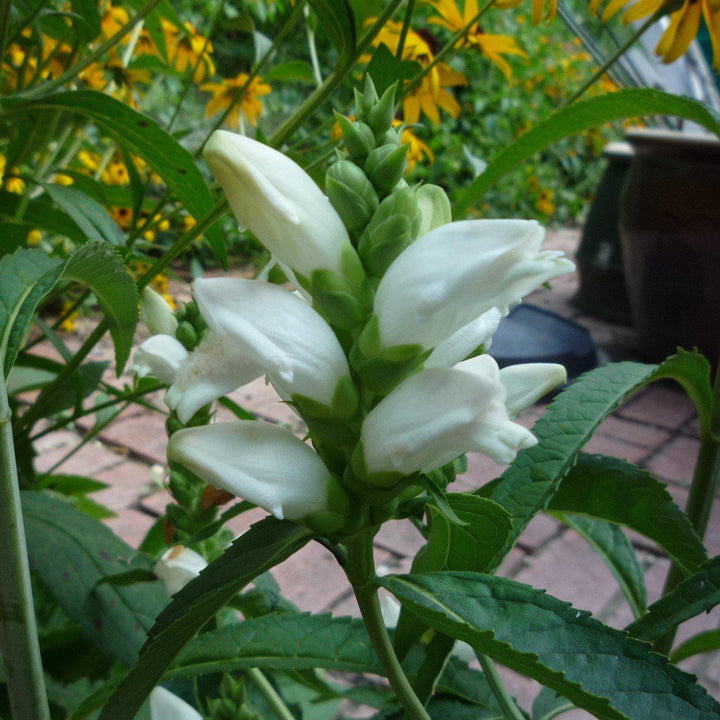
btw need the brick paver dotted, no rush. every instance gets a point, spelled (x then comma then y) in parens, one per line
(657, 429)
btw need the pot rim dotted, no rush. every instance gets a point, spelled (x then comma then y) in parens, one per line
(678, 138)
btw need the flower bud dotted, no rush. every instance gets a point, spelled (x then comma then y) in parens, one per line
(357, 136)
(381, 115)
(434, 207)
(178, 566)
(528, 382)
(365, 100)
(156, 313)
(351, 194)
(393, 226)
(165, 705)
(187, 335)
(385, 167)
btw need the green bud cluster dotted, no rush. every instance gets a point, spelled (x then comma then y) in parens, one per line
(232, 704)
(191, 326)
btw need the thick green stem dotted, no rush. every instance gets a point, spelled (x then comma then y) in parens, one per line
(501, 693)
(280, 709)
(702, 495)
(409, 10)
(18, 632)
(360, 570)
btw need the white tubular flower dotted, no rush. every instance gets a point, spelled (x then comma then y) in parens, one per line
(178, 566)
(457, 272)
(528, 382)
(465, 340)
(262, 463)
(276, 199)
(166, 706)
(437, 415)
(161, 357)
(156, 313)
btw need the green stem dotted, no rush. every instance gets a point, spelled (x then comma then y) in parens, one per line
(702, 495)
(436, 657)
(4, 22)
(501, 693)
(612, 59)
(405, 28)
(270, 694)
(360, 570)
(18, 631)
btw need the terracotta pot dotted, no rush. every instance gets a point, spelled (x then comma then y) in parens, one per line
(670, 231)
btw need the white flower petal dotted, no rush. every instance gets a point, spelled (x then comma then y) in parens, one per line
(278, 201)
(262, 463)
(156, 313)
(457, 272)
(465, 340)
(528, 382)
(178, 566)
(161, 357)
(437, 415)
(166, 706)
(278, 331)
(434, 206)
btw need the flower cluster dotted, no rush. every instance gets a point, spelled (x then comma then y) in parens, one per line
(382, 351)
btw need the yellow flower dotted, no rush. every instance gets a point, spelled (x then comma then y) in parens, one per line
(431, 95)
(13, 184)
(94, 76)
(492, 46)
(59, 55)
(146, 45)
(224, 92)
(683, 27)
(544, 203)
(88, 160)
(113, 19)
(541, 9)
(418, 150)
(416, 46)
(116, 173)
(69, 325)
(122, 216)
(184, 49)
(126, 79)
(62, 179)
(33, 238)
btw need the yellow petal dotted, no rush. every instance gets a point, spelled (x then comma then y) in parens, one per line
(641, 9)
(613, 8)
(712, 20)
(686, 31)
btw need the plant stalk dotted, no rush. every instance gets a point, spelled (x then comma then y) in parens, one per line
(702, 495)
(270, 694)
(409, 10)
(18, 630)
(509, 707)
(360, 570)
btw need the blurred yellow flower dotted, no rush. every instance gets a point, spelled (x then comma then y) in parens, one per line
(126, 79)
(224, 93)
(492, 46)
(431, 95)
(416, 46)
(683, 27)
(62, 179)
(185, 48)
(544, 203)
(69, 324)
(34, 237)
(541, 9)
(94, 75)
(11, 184)
(113, 20)
(116, 173)
(418, 150)
(146, 45)
(122, 216)
(56, 54)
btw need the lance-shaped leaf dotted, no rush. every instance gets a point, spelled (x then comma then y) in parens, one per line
(263, 546)
(337, 21)
(615, 490)
(600, 669)
(694, 595)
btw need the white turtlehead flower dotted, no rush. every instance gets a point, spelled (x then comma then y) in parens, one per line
(262, 463)
(457, 272)
(166, 706)
(528, 382)
(156, 313)
(438, 414)
(178, 566)
(161, 357)
(276, 199)
(464, 341)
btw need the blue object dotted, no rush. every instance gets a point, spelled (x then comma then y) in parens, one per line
(530, 334)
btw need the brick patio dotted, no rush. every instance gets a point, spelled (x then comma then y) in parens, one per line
(657, 429)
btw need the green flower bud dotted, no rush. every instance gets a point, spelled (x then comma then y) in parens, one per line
(358, 138)
(385, 167)
(392, 137)
(351, 194)
(381, 115)
(173, 424)
(393, 226)
(365, 100)
(434, 208)
(187, 335)
(181, 488)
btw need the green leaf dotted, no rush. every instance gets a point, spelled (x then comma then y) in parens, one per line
(144, 137)
(385, 68)
(38, 214)
(88, 214)
(69, 484)
(583, 115)
(291, 71)
(548, 705)
(615, 490)
(27, 275)
(71, 553)
(263, 546)
(611, 543)
(88, 11)
(703, 642)
(83, 382)
(337, 22)
(128, 577)
(100, 267)
(694, 595)
(598, 668)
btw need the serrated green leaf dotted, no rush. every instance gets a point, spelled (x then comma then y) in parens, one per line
(694, 595)
(38, 214)
(703, 642)
(621, 105)
(71, 552)
(144, 137)
(100, 267)
(615, 490)
(26, 277)
(88, 214)
(598, 668)
(337, 21)
(263, 546)
(611, 543)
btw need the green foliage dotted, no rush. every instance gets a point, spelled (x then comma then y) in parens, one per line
(703, 642)
(562, 648)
